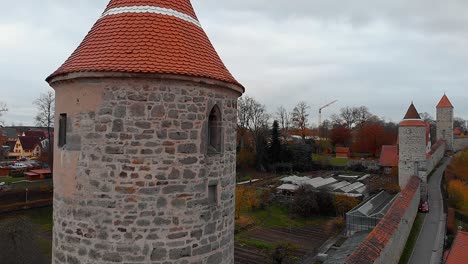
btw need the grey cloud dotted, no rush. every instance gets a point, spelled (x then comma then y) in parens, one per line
(382, 54)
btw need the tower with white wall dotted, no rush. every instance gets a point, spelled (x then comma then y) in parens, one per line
(412, 146)
(145, 149)
(445, 121)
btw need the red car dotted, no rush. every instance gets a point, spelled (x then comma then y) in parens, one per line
(424, 207)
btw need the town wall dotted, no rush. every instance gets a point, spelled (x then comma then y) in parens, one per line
(460, 143)
(387, 240)
(435, 156)
(132, 181)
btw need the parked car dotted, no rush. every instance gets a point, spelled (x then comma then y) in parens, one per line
(18, 166)
(424, 207)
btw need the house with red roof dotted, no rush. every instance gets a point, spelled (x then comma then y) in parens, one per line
(25, 147)
(458, 254)
(389, 159)
(342, 152)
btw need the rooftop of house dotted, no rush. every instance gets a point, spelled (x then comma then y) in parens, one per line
(142, 36)
(459, 251)
(389, 156)
(444, 102)
(28, 143)
(342, 150)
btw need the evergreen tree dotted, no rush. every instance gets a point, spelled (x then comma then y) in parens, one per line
(275, 149)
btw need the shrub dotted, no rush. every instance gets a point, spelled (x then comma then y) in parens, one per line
(282, 254)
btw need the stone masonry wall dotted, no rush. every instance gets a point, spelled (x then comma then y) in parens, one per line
(460, 143)
(412, 152)
(435, 158)
(132, 180)
(445, 126)
(387, 240)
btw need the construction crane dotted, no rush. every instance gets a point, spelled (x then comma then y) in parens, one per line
(320, 113)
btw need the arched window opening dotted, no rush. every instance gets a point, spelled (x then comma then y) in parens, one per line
(214, 130)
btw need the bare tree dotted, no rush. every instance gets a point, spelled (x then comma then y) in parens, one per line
(253, 118)
(460, 123)
(427, 117)
(299, 117)
(45, 117)
(283, 119)
(3, 109)
(353, 116)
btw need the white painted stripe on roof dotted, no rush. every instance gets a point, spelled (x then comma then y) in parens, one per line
(152, 10)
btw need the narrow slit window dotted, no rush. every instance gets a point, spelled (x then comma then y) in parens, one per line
(62, 140)
(213, 194)
(214, 130)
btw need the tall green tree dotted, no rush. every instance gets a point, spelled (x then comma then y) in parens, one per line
(275, 148)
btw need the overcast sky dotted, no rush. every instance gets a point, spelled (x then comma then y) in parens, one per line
(381, 54)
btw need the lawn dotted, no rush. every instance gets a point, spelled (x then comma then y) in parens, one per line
(12, 179)
(333, 161)
(41, 233)
(275, 216)
(413, 236)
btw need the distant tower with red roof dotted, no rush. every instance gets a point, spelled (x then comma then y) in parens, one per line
(144, 168)
(412, 146)
(445, 121)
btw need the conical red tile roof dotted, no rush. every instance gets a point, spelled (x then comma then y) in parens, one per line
(148, 36)
(444, 102)
(412, 118)
(412, 113)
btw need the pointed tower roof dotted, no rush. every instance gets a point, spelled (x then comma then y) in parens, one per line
(412, 117)
(444, 102)
(148, 36)
(412, 113)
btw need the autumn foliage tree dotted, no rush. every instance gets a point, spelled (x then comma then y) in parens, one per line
(340, 135)
(246, 199)
(344, 203)
(459, 166)
(370, 138)
(457, 193)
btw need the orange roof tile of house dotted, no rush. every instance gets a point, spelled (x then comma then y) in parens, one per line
(459, 252)
(370, 249)
(342, 150)
(444, 102)
(389, 156)
(143, 36)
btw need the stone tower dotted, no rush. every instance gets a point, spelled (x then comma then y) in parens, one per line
(445, 121)
(412, 146)
(144, 168)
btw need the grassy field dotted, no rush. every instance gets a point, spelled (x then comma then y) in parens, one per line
(275, 216)
(41, 218)
(413, 236)
(12, 179)
(337, 162)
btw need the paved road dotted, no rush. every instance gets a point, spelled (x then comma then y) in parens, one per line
(428, 248)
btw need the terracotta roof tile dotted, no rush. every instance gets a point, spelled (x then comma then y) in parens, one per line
(369, 250)
(412, 113)
(342, 150)
(459, 252)
(145, 42)
(412, 123)
(29, 142)
(444, 102)
(389, 156)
